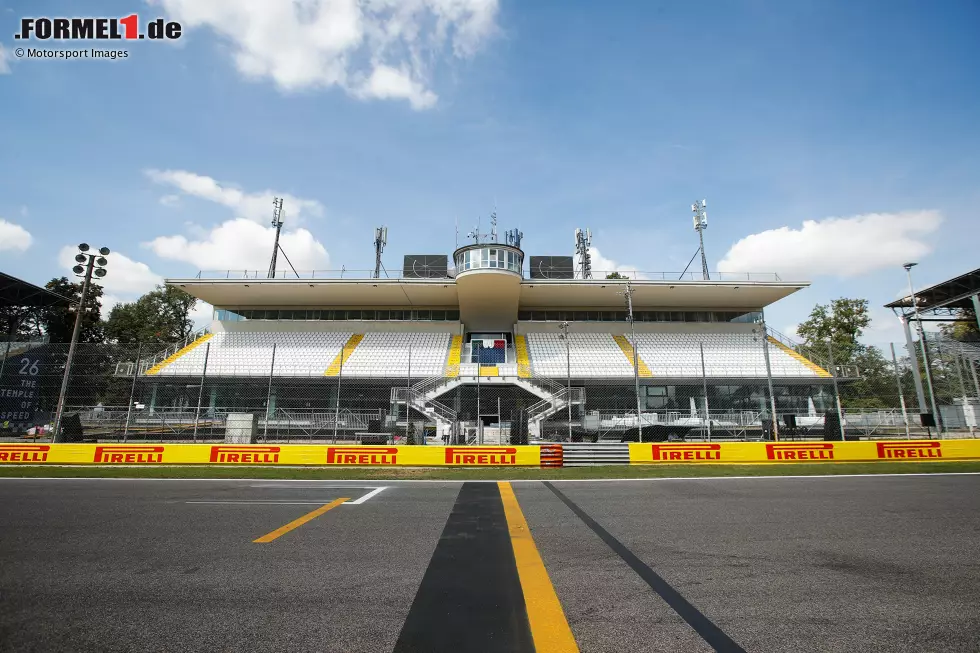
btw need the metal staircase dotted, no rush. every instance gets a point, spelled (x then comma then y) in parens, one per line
(444, 416)
(422, 395)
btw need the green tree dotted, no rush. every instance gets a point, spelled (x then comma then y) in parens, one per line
(160, 316)
(20, 323)
(837, 325)
(965, 328)
(616, 275)
(875, 388)
(58, 323)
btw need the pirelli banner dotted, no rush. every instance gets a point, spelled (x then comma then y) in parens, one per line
(803, 452)
(258, 454)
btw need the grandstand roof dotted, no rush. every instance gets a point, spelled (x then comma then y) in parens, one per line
(16, 292)
(943, 297)
(594, 293)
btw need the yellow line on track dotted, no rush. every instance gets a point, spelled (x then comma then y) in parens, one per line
(296, 523)
(549, 628)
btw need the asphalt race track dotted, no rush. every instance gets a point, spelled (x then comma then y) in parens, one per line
(764, 564)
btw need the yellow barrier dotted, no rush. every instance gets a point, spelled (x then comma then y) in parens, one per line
(260, 454)
(485, 456)
(803, 452)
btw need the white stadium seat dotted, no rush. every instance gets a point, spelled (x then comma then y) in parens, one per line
(591, 355)
(725, 355)
(597, 355)
(388, 355)
(311, 354)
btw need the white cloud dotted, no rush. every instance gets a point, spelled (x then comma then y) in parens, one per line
(170, 200)
(386, 82)
(601, 266)
(370, 48)
(4, 61)
(14, 236)
(201, 314)
(885, 328)
(254, 206)
(242, 245)
(842, 247)
(125, 279)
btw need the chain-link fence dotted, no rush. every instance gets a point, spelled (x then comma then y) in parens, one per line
(687, 386)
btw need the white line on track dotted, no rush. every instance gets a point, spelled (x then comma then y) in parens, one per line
(367, 496)
(375, 490)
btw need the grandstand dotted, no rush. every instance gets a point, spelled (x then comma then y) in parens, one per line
(471, 345)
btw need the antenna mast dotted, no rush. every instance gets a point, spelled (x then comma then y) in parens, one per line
(380, 240)
(490, 237)
(277, 223)
(583, 241)
(700, 224)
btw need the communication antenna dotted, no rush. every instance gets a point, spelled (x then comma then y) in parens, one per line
(700, 224)
(277, 223)
(514, 237)
(380, 240)
(475, 234)
(492, 236)
(583, 241)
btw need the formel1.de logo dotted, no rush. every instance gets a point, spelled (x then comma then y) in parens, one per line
(96, 29)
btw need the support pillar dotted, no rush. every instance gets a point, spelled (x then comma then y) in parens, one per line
(916, 374)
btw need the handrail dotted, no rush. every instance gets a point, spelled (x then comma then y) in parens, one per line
(557, 401)
(597, 275)
(423, 386)
(419, 402)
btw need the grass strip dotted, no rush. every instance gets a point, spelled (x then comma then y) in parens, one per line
(484, 473)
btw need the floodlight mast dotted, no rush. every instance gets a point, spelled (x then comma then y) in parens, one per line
(380, 240)
(277, 223)
(700, 224)
(93, 263)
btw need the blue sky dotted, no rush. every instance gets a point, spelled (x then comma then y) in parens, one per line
(784, 116)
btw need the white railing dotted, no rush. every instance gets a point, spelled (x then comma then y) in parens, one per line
(597, 275)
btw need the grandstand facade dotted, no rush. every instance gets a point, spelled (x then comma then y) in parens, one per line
(471, 347)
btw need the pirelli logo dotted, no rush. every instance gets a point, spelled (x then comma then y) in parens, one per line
(481, 456)
(914, 449)
(129, 454)
(800, 451)
(686, 452)
(362, 455)
(250, 455)
(24, 453)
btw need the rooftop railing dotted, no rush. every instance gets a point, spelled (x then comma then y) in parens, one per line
(597, 275)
